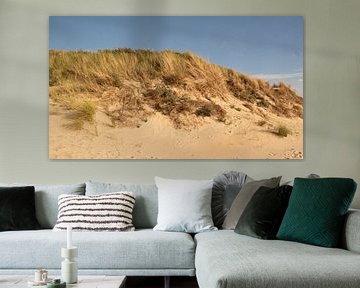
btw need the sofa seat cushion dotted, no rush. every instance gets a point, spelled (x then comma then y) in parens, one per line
(226, 259)
(141, 249)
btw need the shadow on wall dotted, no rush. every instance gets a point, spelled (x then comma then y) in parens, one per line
(24, 136)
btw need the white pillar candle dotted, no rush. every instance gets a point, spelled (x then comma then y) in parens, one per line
(69, 237)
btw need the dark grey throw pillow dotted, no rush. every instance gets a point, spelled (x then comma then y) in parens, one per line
(225, 189)
(17, 209)
(263, 214)
(243, 198)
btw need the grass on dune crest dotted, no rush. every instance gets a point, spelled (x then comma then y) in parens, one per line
(129, 85)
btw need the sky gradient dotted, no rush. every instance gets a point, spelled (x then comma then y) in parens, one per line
(267, 47)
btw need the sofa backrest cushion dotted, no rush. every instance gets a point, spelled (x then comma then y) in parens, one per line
(146, 204)
(46, 200)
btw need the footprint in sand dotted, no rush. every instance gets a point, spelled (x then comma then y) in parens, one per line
(293, 154)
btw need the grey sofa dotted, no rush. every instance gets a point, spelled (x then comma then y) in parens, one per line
(218, 259)
(226, 259)
(143, 252)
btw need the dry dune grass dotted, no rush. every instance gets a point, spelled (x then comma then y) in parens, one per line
(131, 85)
(142, 104)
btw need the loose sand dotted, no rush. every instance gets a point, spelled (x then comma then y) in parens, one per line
(241, 137)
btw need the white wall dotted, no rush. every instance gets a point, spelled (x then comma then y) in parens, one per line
(332, 91)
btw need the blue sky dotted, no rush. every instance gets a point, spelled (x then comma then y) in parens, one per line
(267, 47)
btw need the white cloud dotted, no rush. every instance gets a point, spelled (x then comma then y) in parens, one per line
(278, 76)
(295, 80)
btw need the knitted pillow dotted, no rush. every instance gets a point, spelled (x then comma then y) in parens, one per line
(105, 212)
(317, 210)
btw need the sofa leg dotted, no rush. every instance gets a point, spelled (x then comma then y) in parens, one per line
(167, 282)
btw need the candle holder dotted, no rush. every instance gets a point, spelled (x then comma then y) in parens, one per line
(69, 271)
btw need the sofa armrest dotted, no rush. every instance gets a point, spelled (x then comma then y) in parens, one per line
(351, 233)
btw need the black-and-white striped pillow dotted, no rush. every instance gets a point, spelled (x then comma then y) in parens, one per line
(105, 212)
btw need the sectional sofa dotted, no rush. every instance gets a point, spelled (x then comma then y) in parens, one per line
(219, 259)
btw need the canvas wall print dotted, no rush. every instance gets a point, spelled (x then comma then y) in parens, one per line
(176, 87)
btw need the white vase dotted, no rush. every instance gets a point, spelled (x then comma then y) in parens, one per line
(69, 270)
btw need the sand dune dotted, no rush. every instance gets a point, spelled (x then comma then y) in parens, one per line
(166, 105)
(239, 138)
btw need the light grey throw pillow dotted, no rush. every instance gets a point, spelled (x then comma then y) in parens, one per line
(243, 198)
(184, 205)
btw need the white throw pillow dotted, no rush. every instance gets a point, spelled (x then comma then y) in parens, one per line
(104, 212)
(184, 205)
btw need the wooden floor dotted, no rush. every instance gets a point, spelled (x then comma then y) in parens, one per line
(158, 282)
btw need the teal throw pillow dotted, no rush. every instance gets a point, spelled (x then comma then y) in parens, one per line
(316, 211)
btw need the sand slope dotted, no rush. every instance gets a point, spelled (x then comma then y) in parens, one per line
(241, 137)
